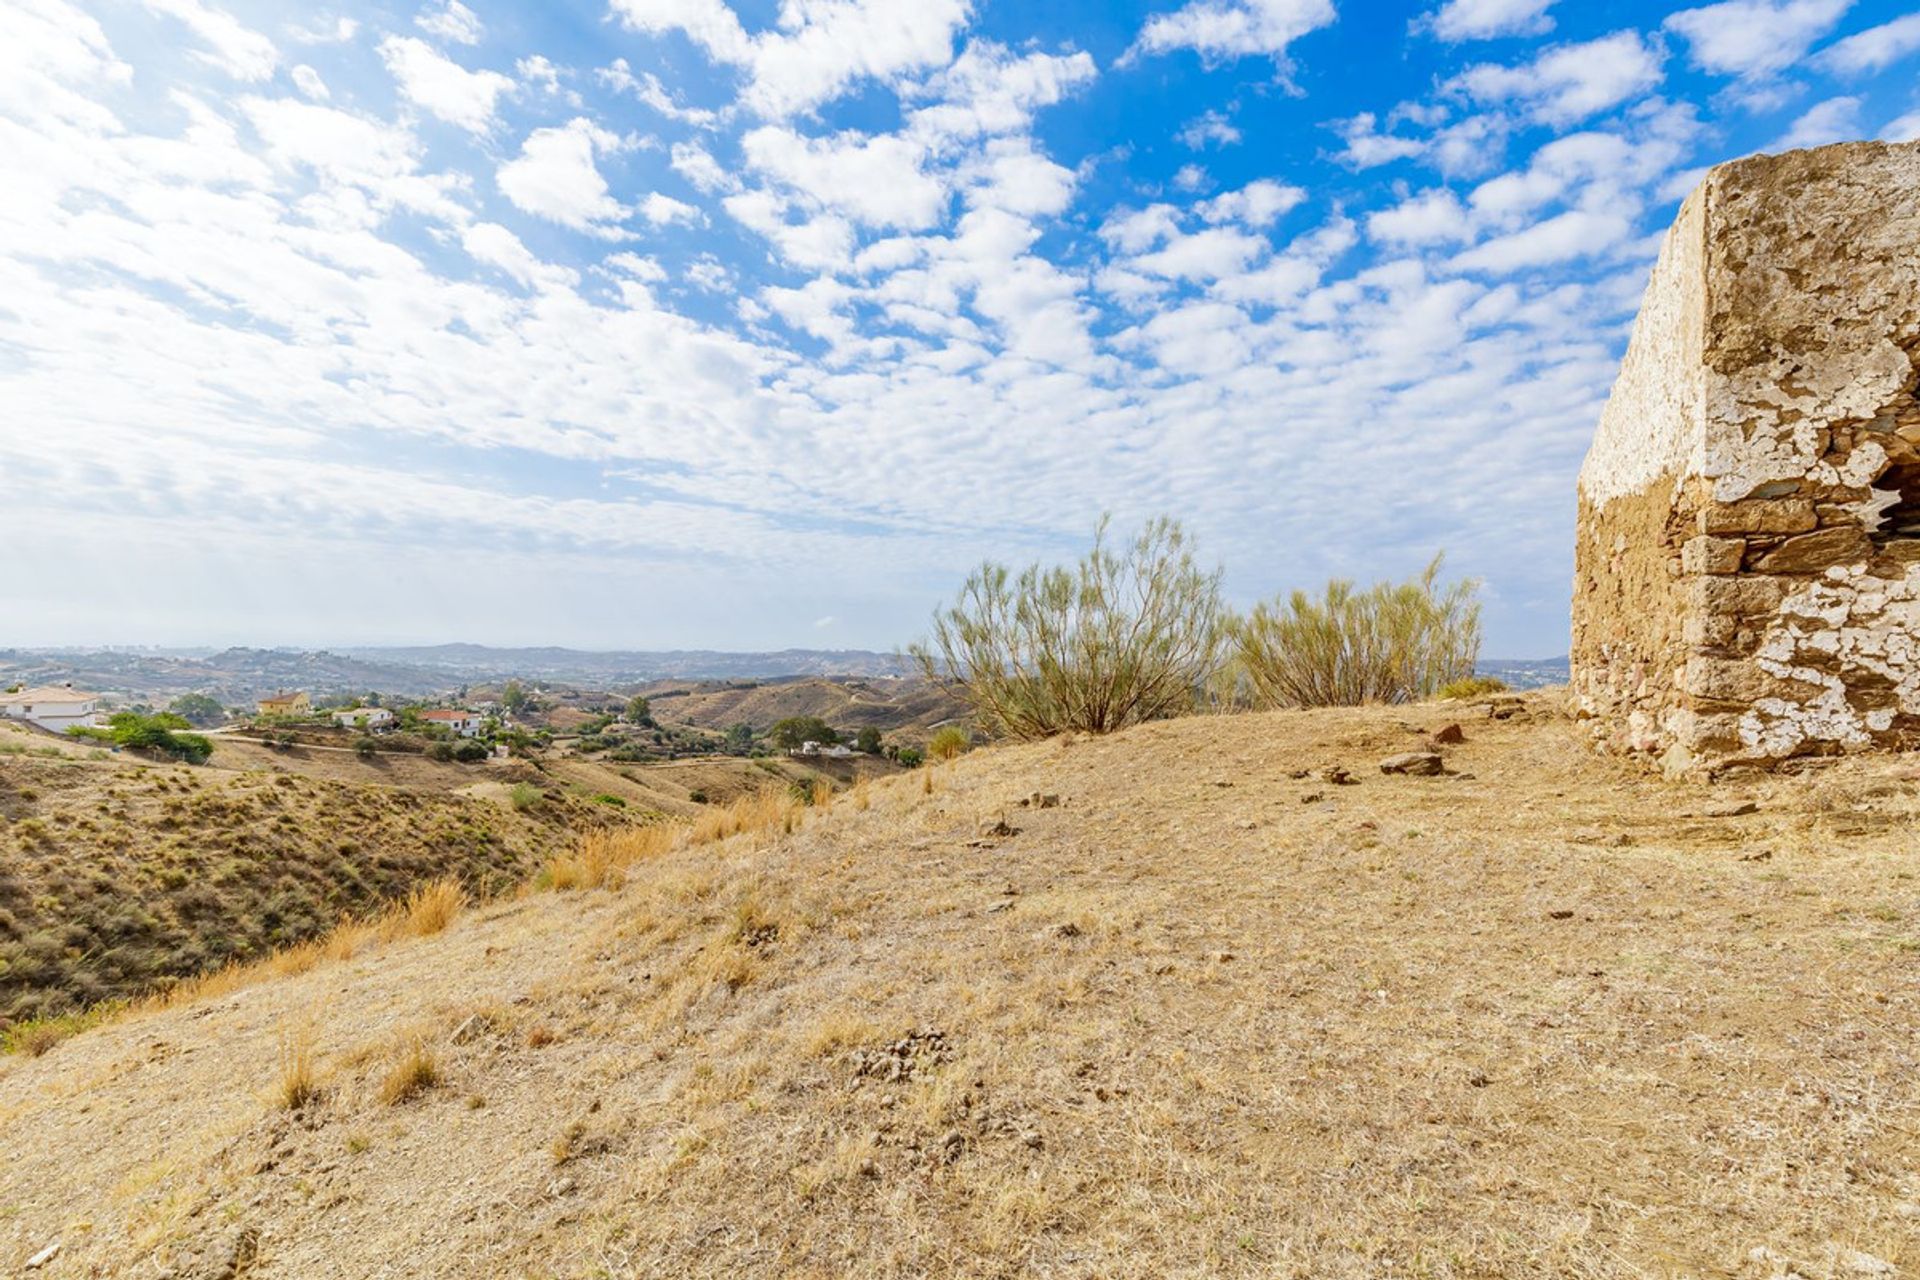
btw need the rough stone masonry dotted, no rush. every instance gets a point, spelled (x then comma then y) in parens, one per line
(1747, 575)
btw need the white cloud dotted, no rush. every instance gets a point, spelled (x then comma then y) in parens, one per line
(1835, 120)
(240, 51)
(493, 244)
(1755, 37)
(538, 72)
(1576, 233)
(697, 165)
(1874, 49)
(822, 242)
(308, 81)
(554, 177)
(987, 90)
(1459, 20)
(1011, 175)
(1367, 147)
(821, 49)
(1255, 205)
(638, 266)
(450, 20)
(429, 79)
(1432, 217)
(345, 149)
(877, 180)
(1905, 129)
(1203, 255)
(325, 30)
(1209, 128)
(1190, 177)
(1217, 29)
(1569, 82)
(647, 88)
(1133, 231)
(661, 210)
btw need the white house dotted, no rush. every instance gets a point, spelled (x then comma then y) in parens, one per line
(56, 707)
(368, 718)
(831, 750)
(464, 724)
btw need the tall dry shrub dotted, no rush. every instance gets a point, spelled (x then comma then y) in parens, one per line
(1394, 642)
(1124, 636)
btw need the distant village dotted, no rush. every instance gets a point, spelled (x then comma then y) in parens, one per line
(464, 728)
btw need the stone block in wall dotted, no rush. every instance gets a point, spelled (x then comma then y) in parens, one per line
(1759, 515)
(1816, 552)
(1707, 554)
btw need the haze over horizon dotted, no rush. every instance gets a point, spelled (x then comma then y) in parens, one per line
(688, 324)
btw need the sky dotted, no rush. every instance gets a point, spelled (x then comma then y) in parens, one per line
(748, 324)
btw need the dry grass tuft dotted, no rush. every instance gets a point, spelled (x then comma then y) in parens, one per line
(430, 909)
(600, 859)
(413, 1071)
(298, 1084)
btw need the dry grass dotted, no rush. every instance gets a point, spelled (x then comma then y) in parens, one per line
(298, 1084)
(1188, 1022)
(412, 1070)
(430, 909)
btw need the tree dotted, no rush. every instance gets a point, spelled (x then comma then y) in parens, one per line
(740, 740)
(365, 747)
(1122, 637)
(1394, 642)
(639, 711)
(198, 709)
(868, 740)
(514, 697)
(795, 730)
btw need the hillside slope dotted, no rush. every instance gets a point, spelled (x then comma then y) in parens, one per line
(1210, 1014)
(909, 708)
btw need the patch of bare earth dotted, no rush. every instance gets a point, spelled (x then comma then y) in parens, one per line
(1209, 1014)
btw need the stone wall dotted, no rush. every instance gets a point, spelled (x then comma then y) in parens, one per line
(1747, 580)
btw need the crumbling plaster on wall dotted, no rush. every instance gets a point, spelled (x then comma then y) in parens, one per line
(1768, 403)
(1849, 624)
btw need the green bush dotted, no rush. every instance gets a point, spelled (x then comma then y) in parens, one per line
(949, 742)
(440, 751)
(365, 748)
(1390, 643)
(525, 796)
(608, 798)
(471, 752)
(1122, 637)
(910, 757)
(159, 734)
(868, 740)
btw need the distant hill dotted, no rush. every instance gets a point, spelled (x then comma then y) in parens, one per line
(912, 707)
(239, 675)
(620, 667)
(234, 676)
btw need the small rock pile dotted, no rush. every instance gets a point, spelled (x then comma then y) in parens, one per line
(898, 1061)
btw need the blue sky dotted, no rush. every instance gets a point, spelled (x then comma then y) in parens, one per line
(660, 323)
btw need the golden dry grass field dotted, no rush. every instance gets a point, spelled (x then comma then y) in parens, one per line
(1209, 1015)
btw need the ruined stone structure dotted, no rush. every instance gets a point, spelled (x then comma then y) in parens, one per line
(1747, 583)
